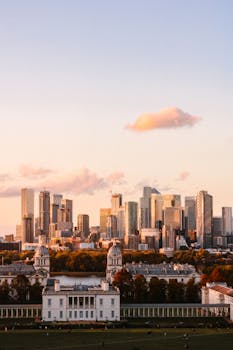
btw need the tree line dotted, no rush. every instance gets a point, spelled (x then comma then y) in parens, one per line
(137, 290)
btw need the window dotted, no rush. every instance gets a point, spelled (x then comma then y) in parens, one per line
(61, 302)
(86, 301)
(81, 314)
(70, 300)
(112, 301)
(75, 301)
(49, 314)
(101, 314)
(101, 301)
(70, 314)
(49, 302)
(92, 301)
(75, 314)
(92, 314)
(81, 301)
(61, 314)
(86, 314)
(113, 314)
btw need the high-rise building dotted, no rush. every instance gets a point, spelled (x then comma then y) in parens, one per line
(55, 204)
(131, 220)
(104, 213)
(65, 215)
(227, 227)
(145, 207)
(190, 212)
(156, 210)
(204, 219)
(27, 215)
(116, 202)
(227, 221)
(121, 222)
(190, 216)
(171, 200)
(173, 217)
(111, 226)
(44, 212)
(83, 225)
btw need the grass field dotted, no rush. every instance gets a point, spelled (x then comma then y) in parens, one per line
(140, 339)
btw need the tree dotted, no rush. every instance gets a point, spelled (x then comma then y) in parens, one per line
(175, 292)
(192, 292)
(20, 287)
(5, 293)
(124, 281)
(157, 290)
(36, 293)
(140, 289)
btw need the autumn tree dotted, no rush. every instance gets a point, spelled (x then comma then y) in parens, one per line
(5, 293)
(157, 290)
(175, 292)
(192, 292)
(124, 281)
(20, 288)
(140, 289)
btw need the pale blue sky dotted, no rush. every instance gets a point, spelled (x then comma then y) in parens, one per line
(73, 74)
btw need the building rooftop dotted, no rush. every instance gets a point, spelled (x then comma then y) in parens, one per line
(18, 268)
(222, 289)
(160, 269)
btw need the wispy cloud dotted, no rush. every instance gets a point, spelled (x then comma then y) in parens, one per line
(83, 182)
(4, 177)
(9, 192)
(165, 119)
(183, 176)
(116, 178)
(29, 171)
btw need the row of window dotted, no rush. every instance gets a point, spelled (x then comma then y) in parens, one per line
(80, 302)
(82, 314)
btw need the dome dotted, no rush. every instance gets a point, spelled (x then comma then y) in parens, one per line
(41, 251)
(114, 251)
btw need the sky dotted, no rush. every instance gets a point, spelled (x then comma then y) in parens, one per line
(109, 96)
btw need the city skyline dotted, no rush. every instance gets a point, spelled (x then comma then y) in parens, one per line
(100, 97)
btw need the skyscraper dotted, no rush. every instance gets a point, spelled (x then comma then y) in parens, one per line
(111, 226)
(116, 202)
(204, 217)
(145, 207)
(83, 225)
(55, 203)
(44, 212)
(104, 213)
(227, 229)
(131, 220)
(27, 215)
(156, 210)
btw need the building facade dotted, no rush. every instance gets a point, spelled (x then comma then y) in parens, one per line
(80, 303)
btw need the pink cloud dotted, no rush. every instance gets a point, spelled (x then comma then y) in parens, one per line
(183, 176)
(84, 182)
(4, 177)
(165, 119)
(9, 192)
(115, 178)
(31, 172)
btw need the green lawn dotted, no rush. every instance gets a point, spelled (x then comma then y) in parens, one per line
(140, 339)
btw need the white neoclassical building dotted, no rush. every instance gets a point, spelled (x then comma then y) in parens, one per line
(80, 303)
(218, 293)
